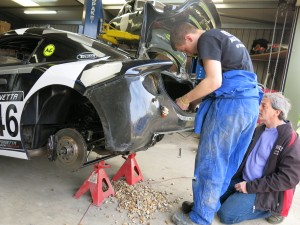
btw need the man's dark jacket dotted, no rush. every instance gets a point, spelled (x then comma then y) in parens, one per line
(275, 189)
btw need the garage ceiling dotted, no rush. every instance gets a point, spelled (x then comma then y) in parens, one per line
(233, 13)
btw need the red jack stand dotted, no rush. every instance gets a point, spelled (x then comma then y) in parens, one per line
(129, 169)
(95, 184)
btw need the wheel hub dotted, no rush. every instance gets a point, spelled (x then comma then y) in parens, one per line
(67, 150)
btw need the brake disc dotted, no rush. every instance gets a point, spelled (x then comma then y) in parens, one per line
(71, 149)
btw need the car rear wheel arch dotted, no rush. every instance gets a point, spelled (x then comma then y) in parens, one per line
(54, 108)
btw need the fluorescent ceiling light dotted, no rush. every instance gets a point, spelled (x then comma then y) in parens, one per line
(40, 12)
(43, 1)
(26, 2)
(113, 2)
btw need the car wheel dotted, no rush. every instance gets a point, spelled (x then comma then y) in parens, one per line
(71, 149)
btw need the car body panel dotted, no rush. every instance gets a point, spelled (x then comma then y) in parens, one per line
(135, 120)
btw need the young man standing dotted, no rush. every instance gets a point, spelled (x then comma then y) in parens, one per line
(226, 118)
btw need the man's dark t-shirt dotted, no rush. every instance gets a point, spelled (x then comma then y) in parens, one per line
(224, 47)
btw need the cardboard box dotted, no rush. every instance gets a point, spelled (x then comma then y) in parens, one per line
(4, 26)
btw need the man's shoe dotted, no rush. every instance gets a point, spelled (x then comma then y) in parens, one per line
(181, 218)
(275, 219)
(187, 206)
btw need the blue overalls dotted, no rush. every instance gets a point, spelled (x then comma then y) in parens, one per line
(225, 121)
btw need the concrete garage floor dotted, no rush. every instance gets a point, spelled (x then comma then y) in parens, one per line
(38, 193)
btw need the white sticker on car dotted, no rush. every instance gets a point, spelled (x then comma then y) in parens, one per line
(100, 73)
(87, 55)
(63, 74)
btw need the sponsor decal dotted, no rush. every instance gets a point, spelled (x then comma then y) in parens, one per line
(11, 96)
(49, 50)
(87, 55)
(10, 144)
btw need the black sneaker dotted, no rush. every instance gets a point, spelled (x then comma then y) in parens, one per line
(275, 219)
(187, 206)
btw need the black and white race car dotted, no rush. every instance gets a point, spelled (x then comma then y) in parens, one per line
(74, 94)
(66, 95)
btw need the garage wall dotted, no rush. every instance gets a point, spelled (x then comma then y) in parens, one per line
(66, 27)
(292, 85)
(261, 66)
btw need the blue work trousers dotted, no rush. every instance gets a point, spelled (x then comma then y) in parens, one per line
(237, 207)
(226, 133)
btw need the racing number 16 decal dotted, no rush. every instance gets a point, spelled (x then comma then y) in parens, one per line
(11, 122)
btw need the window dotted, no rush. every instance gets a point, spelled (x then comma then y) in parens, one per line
(16, 50)
(51, 50)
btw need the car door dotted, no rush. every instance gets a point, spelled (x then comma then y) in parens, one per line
(14, 52)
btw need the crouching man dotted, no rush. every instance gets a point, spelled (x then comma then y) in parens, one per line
(264, 184)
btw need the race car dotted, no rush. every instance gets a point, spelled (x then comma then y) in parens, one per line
(66, 95)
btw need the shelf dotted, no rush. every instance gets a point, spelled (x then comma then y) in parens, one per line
(266, 56)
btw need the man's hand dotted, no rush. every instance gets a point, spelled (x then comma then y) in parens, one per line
(181, 104)
(241, 187)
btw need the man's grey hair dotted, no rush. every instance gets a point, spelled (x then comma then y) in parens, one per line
(279, 102)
